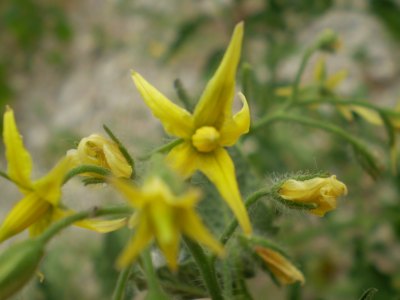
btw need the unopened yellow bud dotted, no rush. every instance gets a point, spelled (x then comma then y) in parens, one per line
(99, 151)
(17, 266)
(283, 270)
(328, 41)
(206, 139)
(320, 191)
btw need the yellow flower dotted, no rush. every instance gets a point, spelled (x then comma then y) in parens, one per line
(162, 215)
(207, 130)
(320, 191)
(99, 151)
(40, 205)
(283, 270)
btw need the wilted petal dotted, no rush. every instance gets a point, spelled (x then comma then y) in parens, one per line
(26, 212)
(19, 160)
(233, 128)
(176, 120)
(368, 115)
(285, 91)
(102, 226)
(194, 228)
(334, 80)
(216, 101)
(219, 168)
(183, 159)
(142, 238)
(284, 271)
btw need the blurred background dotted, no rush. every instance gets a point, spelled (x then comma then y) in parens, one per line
(65, 69)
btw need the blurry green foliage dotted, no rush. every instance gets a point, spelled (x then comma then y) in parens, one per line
(388, 12)
(26, 26)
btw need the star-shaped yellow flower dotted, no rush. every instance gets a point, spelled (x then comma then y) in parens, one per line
(207, 130)
(162, 215)
(40, 205)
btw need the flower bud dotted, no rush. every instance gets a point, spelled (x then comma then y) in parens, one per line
(99, 151)
(328, 41)
(319, 191)
(282, 269)
(18, 264)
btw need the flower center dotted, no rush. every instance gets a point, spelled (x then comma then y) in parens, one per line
(206, 139)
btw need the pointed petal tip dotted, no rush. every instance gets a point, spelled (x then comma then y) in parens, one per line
(133, 73)
(240, 25)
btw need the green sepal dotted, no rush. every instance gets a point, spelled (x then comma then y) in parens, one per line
(18, 264)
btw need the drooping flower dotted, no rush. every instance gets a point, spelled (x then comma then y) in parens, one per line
(100, 151)
(283, 270)
(163, 216)
(320, 191)
(40, 205)
(209, 129)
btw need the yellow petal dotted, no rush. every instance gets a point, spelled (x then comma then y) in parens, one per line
(320, 70)
(216, 101)
(142, 238)
(170, 247)
(117, 162)
(219, 169)
(368, 115)
(39, 226)
(194, 228)
(102, 226)
(334, 80)
(26, 212)
(131, 193)
(240, 124)
(49, 187)
(18, 158)
(183, 159)
(162, 217)
(176, 120)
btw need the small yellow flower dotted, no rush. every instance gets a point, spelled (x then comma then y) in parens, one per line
(40, 205)
(209, 129)
(284, 271)
(163, 216)
(41, 197)
(97, 150)
(320, 191)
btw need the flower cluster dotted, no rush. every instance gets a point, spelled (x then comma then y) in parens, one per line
(157, 210)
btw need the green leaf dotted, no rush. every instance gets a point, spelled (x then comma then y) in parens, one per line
(368, 294)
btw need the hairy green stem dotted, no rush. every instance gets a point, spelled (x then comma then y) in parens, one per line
(296, 84)
(253, 198)
(349, 102)
(69, 220)
(207, 269)
(119, 291)
(154, 288)
(367, 159)
(359, 145)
